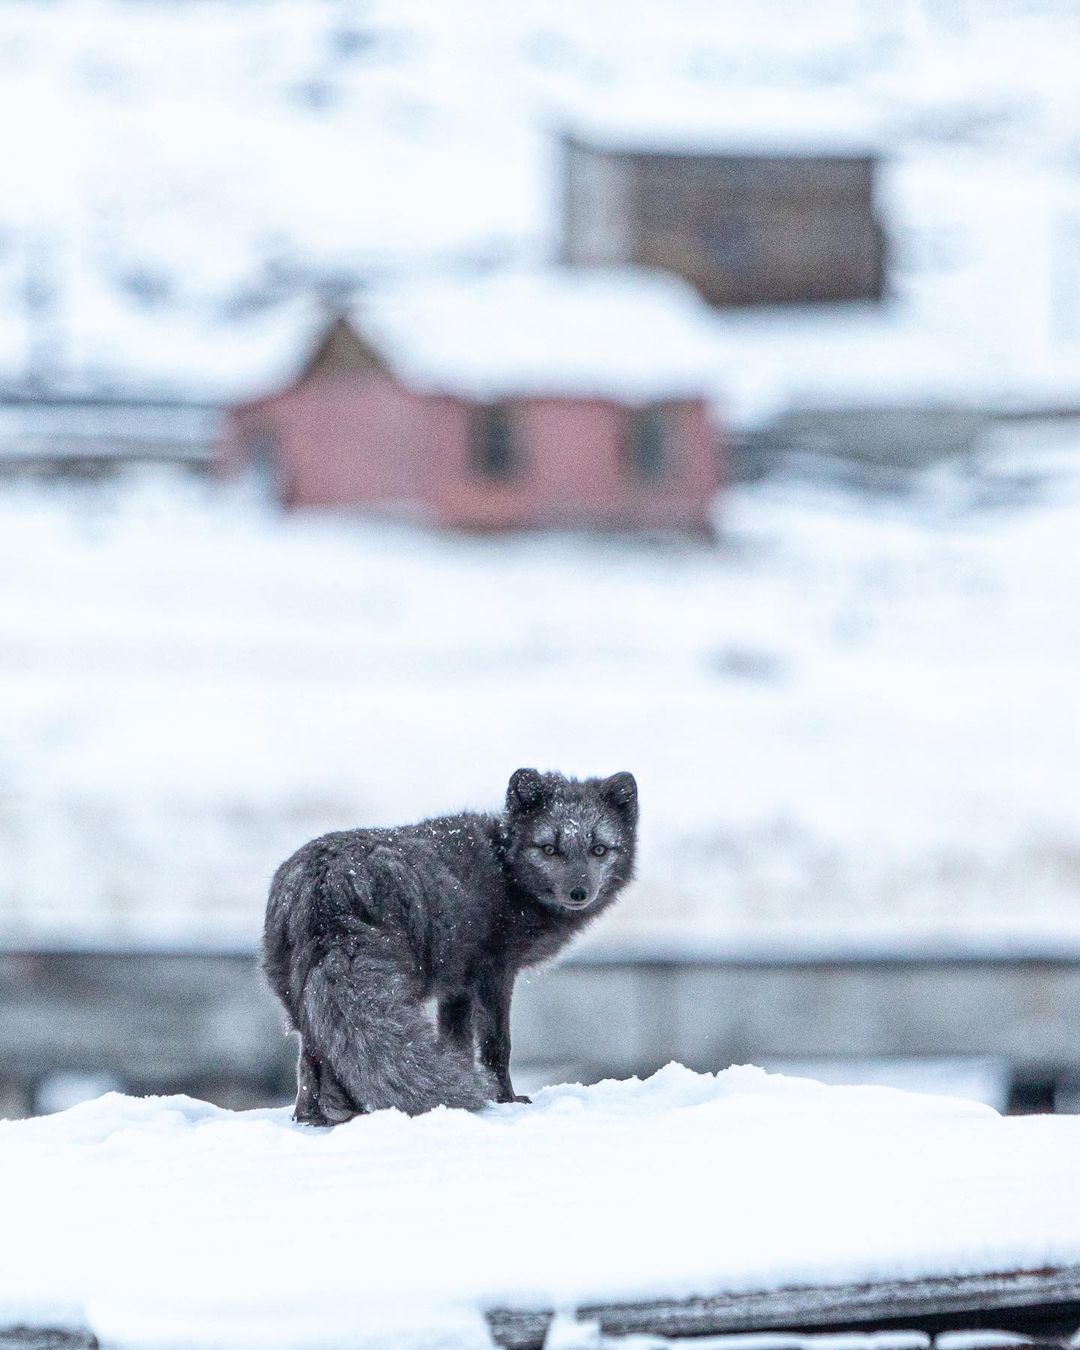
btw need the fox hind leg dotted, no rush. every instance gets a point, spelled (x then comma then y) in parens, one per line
(365, 1016)
(456, 1023)
(320, 1098)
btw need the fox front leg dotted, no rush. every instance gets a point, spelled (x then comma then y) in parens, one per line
(493, 1019)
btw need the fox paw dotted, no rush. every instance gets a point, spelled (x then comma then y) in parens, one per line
(310, 1118)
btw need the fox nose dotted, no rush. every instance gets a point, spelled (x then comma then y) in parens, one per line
(578, 894)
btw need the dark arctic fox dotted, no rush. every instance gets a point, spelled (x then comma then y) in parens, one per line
(364, 926)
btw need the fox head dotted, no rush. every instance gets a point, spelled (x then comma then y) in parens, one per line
(570, 842)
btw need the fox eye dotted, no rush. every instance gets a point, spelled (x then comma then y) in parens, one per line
(549, 849)
(598, 850)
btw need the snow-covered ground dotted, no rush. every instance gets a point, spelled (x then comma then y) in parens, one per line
(179, 169)
(854, 722)
(168, 1222)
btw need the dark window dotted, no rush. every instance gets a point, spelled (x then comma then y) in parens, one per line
(649, 442)
(495, 452)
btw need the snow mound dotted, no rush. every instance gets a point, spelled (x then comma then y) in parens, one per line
(166, 1221)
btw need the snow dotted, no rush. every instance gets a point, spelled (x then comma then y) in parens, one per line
(760, 122)
(567, 1332)
(851, 722)
(166, 1221)
(979, 1080)
(619, 333)
(125, 353)
(978, 1340)
(59, 1091)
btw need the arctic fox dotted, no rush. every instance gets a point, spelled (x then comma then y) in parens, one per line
(364, 926)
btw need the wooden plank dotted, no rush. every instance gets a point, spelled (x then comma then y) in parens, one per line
(1028, 1301)
(1016, 1298)
(45, 1338)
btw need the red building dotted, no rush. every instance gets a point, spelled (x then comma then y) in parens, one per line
(546, 399)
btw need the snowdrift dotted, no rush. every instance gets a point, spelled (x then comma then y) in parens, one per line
(169, 1222)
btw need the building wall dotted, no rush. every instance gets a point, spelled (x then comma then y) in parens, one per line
(364, 440)
(742, 229)
(574, 472)
(597, 207)
(337, 439)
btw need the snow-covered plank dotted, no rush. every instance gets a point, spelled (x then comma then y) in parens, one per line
(45, 1338)
(1029, 1299)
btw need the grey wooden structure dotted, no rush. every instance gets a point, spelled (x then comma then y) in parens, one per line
(94, 437)
(1043, 1304)
(745, 228)
(204, 1023)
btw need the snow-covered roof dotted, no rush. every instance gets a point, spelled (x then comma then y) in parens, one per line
(747, 122)
(626, 334)
(858, 355)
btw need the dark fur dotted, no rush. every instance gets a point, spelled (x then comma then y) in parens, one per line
(364, 926)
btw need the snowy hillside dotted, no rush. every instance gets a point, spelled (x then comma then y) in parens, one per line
(166, 1221)
(179, 169)
(853, 723)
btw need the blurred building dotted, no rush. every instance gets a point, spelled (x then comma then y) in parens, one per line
(757, 226)
(497, 401)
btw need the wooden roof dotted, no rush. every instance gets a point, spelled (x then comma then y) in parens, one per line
(1044, 1304)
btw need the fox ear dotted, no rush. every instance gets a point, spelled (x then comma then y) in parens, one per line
(526, 790)
(620, 789)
